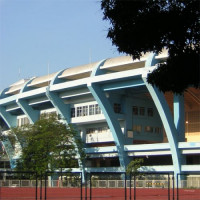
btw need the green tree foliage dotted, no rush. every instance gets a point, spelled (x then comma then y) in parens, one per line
(48, 145)
(140, 26)
(134, 165)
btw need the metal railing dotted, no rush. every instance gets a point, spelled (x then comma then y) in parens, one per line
(128, 185)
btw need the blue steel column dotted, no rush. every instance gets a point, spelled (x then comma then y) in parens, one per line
(179, 120)
(9, 151)
(33, 115)
(63, 109)
(166, 117)
(111, 118)
(179, 116)
(11, 121)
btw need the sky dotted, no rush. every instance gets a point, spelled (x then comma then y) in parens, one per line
(38, 37)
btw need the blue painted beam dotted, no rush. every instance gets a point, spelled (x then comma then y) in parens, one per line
(33, 115)
(105, 169)
(147, 147)
(122, 84)
(10, 120)
(9, 150)
(189, 145)
(165, 115)
(112, 121)
(144, 147)
(96, 71)
(63, 110)
(8, 100)
(179, 116)
(110, 116)
(109, 149)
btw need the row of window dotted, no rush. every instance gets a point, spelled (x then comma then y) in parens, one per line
(117, 108)
(46, 115)
(148, 129)
(85, 110)
(23, 121)
(142, 111)
(97, 130)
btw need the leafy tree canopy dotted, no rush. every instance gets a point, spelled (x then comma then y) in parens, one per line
(47, 145)
(140, 26)
(134, 165)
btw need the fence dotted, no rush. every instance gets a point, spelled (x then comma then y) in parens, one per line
(69, 185)
(16, 184)
(188, 182)
(118, 186)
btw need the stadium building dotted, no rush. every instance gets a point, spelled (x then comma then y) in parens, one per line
(117, 113)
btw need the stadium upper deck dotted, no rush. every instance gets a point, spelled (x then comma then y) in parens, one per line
(118, 114)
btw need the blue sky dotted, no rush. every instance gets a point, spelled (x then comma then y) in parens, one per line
(35, 34)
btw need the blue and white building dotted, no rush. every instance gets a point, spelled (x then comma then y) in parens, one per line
(118, 114)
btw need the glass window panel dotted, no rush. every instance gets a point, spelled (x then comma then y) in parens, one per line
(91, 110)
(117, 108)
(72, 112)
(135, 110)
(142, 111)
(85, 110)
(79, 111)
(150, 112)
(137, 128)
(149, 129)
(97, 109)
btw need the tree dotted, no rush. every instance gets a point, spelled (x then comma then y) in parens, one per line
(134, 165)
(149, 26)
(47, 145)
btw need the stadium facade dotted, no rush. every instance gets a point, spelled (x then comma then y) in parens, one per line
(118, 114)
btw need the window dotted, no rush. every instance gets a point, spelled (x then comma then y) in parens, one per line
(85, 110)
(150, 112)
(47, 115)
(72, 112)
(26, 120)
(157, 130)
(23, 121)
(100, 129)
(97, 109)
(149, 129)
(91, 110)
(137, 128)
(97, 130)
(79, 111)
(90, 130)
(105, 129)
(142, 111)
(135, 110)
(117, 108)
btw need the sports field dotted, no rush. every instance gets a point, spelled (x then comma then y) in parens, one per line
(22, 193)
